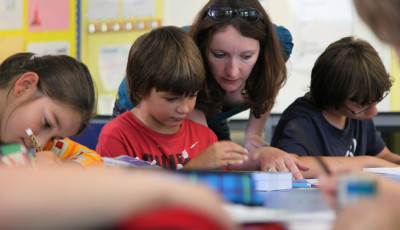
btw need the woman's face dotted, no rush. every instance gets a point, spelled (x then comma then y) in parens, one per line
(231, 58)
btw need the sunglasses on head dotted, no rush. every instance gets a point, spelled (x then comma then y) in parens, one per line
(223, 12)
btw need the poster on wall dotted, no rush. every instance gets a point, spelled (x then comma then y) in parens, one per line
(11, 14)
(316, 24)
(139, 8)
(112, 65)
(102, 10)
(45, 48)
(48, 15)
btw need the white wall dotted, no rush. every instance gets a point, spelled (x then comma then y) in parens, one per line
(344, 21)
(181, 12)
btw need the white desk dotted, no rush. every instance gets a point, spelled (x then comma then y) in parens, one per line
(297, 209)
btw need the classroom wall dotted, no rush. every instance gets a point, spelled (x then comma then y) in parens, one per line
(313, 23)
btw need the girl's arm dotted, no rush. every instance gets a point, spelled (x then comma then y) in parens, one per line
(51, 198)
(253, 137)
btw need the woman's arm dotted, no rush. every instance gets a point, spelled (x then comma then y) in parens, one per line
(253, 137)
(198, 116)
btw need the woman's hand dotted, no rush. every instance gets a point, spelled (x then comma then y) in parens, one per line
(273, 159)
(254, 141)
(218, 155)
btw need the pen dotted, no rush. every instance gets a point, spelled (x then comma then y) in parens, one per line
(296, 128)
(301, 185)
(34, 141)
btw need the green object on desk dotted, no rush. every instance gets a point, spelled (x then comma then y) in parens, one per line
(12, 149)
(15, 154)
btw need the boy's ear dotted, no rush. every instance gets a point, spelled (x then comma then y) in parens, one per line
(28, 80)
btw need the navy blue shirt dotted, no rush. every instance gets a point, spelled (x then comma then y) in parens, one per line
(359, 137)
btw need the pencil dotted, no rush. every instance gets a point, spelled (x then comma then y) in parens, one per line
(34, 140)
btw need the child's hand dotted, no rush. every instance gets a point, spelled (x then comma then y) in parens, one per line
(47, 158)
(218, 155)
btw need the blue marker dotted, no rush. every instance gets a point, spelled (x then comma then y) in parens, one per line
(354, 187)
(302, 183)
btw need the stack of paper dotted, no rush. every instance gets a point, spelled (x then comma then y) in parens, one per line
(267, 181)
(387, 172)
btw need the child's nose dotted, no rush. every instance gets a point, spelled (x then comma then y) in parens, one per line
(184, 107)
(373, 111)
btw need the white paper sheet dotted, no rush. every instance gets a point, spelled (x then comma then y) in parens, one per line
(11, 14)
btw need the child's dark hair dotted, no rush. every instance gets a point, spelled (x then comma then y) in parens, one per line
(61, 77)
(165, 58)
(349, 69)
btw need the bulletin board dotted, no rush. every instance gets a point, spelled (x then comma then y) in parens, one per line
(109, 28)
(39, 26)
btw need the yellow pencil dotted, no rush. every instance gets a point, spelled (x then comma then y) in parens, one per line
(34, 140)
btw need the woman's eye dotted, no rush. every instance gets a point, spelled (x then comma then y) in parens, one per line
(219, 55)
(247, 57)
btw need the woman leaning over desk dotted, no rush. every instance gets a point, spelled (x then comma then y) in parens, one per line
(245, 68)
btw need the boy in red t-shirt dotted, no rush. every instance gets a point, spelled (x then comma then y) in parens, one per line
(164, 74)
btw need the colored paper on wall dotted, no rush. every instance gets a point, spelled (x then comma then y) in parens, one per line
(11, 14)
(10, 45)
(139, 8)
(48, 15)
(102, 10)
(44, 48)
(112, 65)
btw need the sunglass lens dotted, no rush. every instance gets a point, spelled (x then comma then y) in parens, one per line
(220, 12)
(250, 14)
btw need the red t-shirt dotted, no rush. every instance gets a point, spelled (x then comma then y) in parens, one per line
(126, 135)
